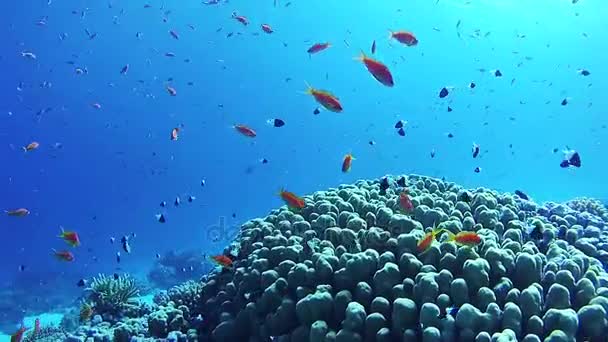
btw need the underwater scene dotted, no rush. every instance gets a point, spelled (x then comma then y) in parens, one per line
(304, 170)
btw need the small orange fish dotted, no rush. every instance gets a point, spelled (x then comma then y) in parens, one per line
(318, 47)
(246, 131)
(18, 335)
(325, 99)
(71, 238)
(405, 202)
(469, 239)
(64, 255)
(291, 199)
(347, 162)
(380, 71)
(241, 19)
(266, 28)
(171, 91)
(221, 260)
(175, 133)
(21, 212)
(31, 146)
(404, 37)
(427, 240)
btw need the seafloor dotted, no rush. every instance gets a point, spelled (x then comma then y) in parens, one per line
(346, 268)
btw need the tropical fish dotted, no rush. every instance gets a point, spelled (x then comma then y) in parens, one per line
(404, 37)
(380, 71)
(175, 133)
(71, 238)
(221, 260)
(266, 28)
(246, 131)
(64, 255)
(171, 91)
(428, 239)
(325, 99)
(522, 195)
(466, 238)
(241, 19)
(174, 34)
(405, 202)
(96, 105)
(318, 47)
(571, 158)
(21, 212)
(347, 162)
(475, 150)
(31, 146)
(291, 199)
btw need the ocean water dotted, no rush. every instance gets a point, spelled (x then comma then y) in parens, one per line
(103, 171)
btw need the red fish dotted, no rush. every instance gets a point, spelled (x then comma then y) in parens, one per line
(71, 238)
(266, 28)
(18, 335)
(31, 146)
(404, 37)
(64, 255)
(171, 91)
(378, 70)
(405, 202)
(175, 133)
(221, 260)
(427, 240)
(292, 200)
(347, 162)
(318, 47)
(325, 99)
(470, 239)
(21, 212)
(241, 19)
(246, 131)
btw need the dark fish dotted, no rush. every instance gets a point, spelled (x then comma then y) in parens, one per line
(112, 240)
(399, 124)
(116, 276)
(497, 73)
(160, 218)
(555, 150)
(374, 47)
(564, 102)
(125, 244)
(449, 311)
(118, 257)
(233, 215)
(191, 198)
(432, 153)
(81, 283)
(401, 182)
(316, 111)
(536, 230)
(449, 109)
(264, 161)
(575, 160)
(401, 131)
(277, 122)
(472, 85)
(475, 150)
(522, 195)
(157, 256)
(450, 135)
(163, 204)
(371, 143)
(384, 184)
(21, 268)
(124, 69)
(584, 72)
(203, 183)
(443, 92)
(477, 170)
(177, 201)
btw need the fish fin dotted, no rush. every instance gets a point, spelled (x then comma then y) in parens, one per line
(24, 148)
(451, 236)
(390, 34)
(361, 57)
(309, 89)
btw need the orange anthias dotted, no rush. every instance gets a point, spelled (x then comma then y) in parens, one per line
(292, 200)
(405, 202)
(378, 70)
(427, 240)
(221, 260)
(64, 255)
(318, 47)
(347, 162)
(71, 238)
(404, 37)
(246, 131)
(326, 99)
(21, 212)
(31, 146)
(470, 239)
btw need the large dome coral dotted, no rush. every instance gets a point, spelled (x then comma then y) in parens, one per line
(346, 268)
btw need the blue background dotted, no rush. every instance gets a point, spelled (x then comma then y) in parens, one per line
(117, 163)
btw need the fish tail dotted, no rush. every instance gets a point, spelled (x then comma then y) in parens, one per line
(24, 148)
(390, 34)
(309, 89)
(451, 236)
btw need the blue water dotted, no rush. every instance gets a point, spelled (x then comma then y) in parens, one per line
(103, 172)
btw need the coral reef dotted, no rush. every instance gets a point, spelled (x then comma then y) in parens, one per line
(112, 296)
(346, 268)
(46, 334)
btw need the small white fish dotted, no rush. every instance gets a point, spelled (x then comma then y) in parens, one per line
(28, 54)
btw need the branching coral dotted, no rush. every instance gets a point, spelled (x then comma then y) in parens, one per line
(111, 295)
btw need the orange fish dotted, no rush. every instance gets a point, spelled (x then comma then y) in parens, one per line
(175, 133)
(470, 239)
(171, 91)
(31, 146)
(241, 19)
(318, 47)
(325, 99)
(378, 70)
(405, 202)
(17, 212)
(266, 28)
(246, 131)
(221, 260)
(71, 238)
(428, 239)
(291, 199)
(347, 162)
(64, 255)
(404, 37)
(18, 335)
